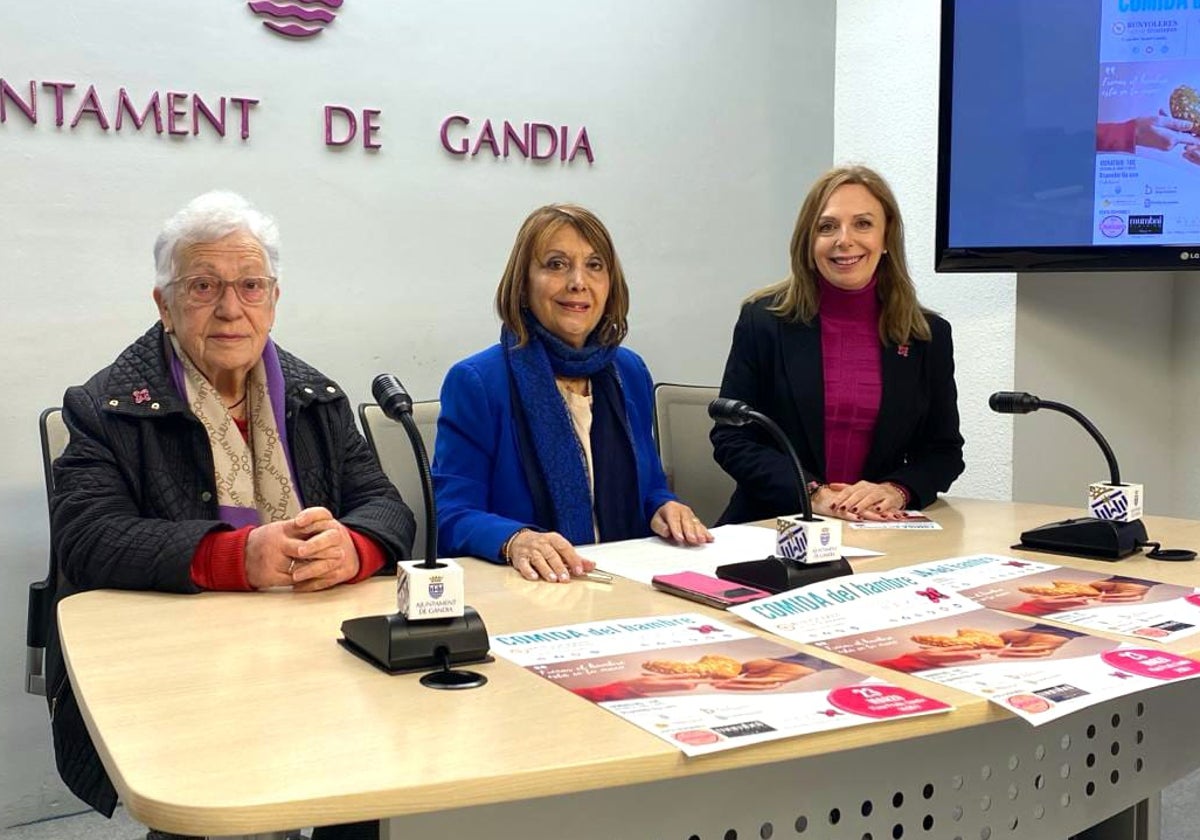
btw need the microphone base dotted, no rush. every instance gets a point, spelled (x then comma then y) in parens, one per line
(1103, 539)
(777, 574)
(396, 645)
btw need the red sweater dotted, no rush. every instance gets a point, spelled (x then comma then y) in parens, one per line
(850, 358)
(220, 559)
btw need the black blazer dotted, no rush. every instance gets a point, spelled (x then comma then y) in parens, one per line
(134, 495)
(775, 366)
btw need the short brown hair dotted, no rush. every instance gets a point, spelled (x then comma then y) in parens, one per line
(537, 230)
(798, 296)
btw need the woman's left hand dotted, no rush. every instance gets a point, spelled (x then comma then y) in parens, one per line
(678, 523)
(327, 556)
(865, 500)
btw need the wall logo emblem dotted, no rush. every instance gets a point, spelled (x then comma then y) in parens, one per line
(283, 17)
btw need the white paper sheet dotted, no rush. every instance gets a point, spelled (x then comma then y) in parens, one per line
(642, 559)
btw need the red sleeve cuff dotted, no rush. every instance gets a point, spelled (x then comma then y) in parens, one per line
(370, 556)
(219, 561)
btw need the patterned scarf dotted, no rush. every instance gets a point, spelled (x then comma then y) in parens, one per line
(254, 478)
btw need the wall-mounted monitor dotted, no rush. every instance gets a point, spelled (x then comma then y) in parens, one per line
(1069, 135)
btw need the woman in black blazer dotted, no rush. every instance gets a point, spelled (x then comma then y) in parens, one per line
(842, 356)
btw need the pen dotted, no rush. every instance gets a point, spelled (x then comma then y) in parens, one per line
(597, 576)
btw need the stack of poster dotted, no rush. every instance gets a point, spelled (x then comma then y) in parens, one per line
(918, 625)
(1128, 606)
(703, 686)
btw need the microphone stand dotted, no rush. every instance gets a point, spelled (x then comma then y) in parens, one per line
(1087, 536)
(395, 643)
(774, 573)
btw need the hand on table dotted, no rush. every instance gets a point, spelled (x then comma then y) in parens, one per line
(310, 552)
(678, 523)
(547, 555)
(863, 500)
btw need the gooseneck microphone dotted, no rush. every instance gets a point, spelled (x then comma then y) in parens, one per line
(434, 627)
(730, 412)
(1021, 402)
(396, 404)
(808, 550)
(1107, 538)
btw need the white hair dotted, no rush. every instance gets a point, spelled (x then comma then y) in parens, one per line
(207, 218)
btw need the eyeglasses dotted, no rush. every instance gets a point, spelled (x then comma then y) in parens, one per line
(205, 290)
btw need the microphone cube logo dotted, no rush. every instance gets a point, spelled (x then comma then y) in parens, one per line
(818, 541)
(296, 19)
(437, 587)
(792, 540)
(1115, 502)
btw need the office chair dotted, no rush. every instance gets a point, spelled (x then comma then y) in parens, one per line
(40, 611)
(681, 427)
(391, 446)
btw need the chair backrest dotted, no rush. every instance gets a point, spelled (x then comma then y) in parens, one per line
(681, 426)
(39, 612)
(394, 451)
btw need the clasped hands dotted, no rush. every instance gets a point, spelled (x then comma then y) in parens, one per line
(309, 552)
(549, 556)
(863, 500)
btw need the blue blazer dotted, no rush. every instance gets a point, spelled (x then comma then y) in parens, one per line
(478, 482)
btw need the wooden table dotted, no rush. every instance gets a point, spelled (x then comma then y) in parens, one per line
(233, 714)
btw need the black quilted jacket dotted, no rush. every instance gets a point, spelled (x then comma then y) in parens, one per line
(134, 495)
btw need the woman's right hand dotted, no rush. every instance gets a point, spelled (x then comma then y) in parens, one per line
(546, 555)
(863, 500)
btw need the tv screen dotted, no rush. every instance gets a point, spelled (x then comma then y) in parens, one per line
(1069, 135)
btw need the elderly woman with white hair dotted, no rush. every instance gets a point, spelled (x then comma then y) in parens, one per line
(206, 457)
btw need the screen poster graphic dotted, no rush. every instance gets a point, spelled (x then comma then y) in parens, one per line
(1147, 173)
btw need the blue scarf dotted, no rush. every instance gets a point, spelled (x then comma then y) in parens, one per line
(551, 455)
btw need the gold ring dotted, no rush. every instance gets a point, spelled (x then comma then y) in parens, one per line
(291, 566)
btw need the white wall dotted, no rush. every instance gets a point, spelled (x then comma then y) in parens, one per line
(708, 120)
(1184, 399)
(1121, 348)
(1081, 342)
(885, 115)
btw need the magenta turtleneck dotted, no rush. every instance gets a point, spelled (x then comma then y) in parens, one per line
(850, 358)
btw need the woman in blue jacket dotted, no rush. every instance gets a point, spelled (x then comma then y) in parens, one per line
(544, 440)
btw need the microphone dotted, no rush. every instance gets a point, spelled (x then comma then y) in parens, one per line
(1013, 402)
(392, 398)
(728, 412)
(1020, 402)
(807, 549)
(434, 627)
(1115, 529)
(397, 406)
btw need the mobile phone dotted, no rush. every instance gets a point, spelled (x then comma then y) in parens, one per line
(707, 589)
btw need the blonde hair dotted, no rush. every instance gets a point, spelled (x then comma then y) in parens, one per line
(798, 296)
(539, 227)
